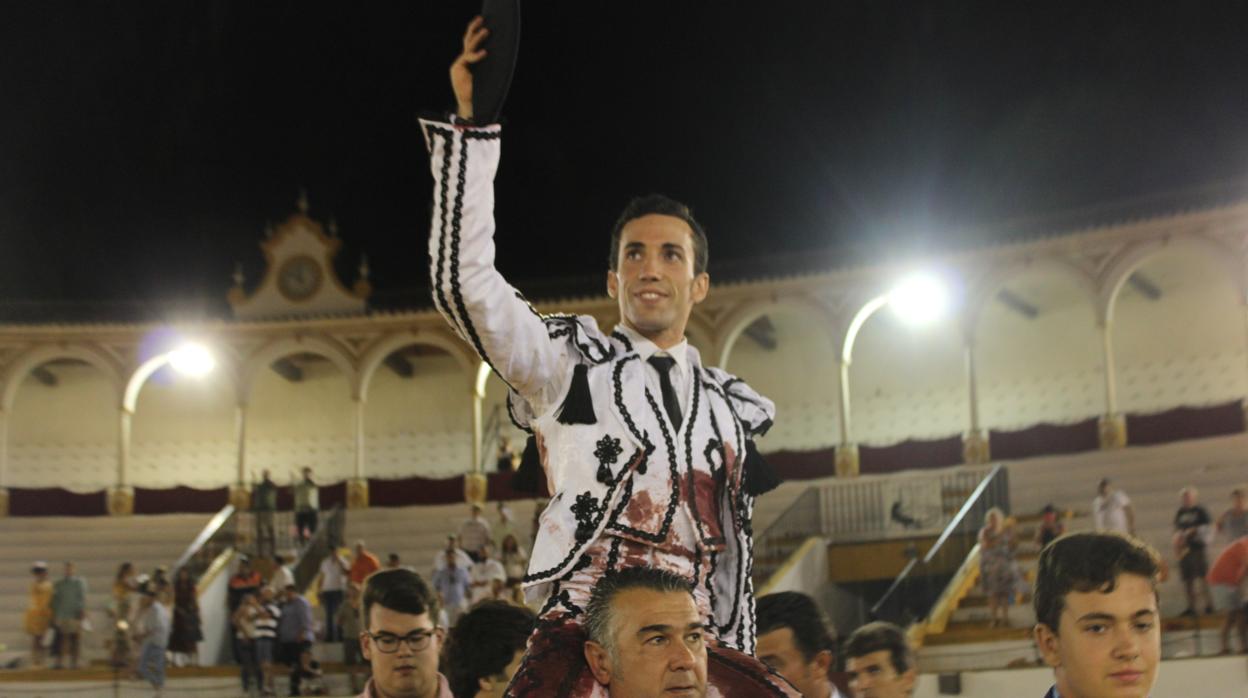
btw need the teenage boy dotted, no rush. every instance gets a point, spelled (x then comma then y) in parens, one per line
(1097, 622)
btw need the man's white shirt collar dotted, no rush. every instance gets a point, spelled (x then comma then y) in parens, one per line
(645, 348)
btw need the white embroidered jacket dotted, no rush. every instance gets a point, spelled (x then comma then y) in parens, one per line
(629, 474)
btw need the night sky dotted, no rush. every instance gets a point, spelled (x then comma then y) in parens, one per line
(145, 145)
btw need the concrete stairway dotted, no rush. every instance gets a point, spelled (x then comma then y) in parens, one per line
(1151, 477)
(97, 546)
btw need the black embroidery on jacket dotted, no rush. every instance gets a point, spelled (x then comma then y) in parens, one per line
(607, 453)
(586, 510)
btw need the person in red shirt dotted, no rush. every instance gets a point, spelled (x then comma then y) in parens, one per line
(1231, 570)
(364, 564)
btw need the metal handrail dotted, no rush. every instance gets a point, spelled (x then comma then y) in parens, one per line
(966, 507)
(954, 524)
(327, 537)
(218, 524)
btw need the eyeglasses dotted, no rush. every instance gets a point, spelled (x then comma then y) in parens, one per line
(388, 643)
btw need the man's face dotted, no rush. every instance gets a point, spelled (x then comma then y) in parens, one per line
(1107, 645)
(69, 569)
(1188, 498)
(778, 650)
(266, 594)
(404, 673)
(654, 282)
(873, 675)
(1237, 501)
(660, 647)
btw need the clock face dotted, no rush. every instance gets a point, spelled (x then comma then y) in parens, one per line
(299, 278)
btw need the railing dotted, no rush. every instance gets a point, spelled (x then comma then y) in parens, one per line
(328, 537)
(219, 535)
(873, 507)
(913, 595)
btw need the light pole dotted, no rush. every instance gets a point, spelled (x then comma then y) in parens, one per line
(918, 299)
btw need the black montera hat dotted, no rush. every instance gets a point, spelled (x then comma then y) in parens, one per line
(491, 77)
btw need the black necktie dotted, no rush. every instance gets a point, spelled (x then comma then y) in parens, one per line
(664, 364)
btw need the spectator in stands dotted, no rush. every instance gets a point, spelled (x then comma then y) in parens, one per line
(998, 570)
(506, 461)
(307, 506)
(364, 564)
(334, 572)
(474, 532)
(264, 504)
(266, 621)
(186, 625)
(401, 638)
(1112, 510)
(295, 634)
(245, 580)
(281, 576)
(515, 563)
(348, 622)
(244, 621)
(125, 587)
(69, 609)
(161, 585)
(506, 525)
(1229, 575)
(1097, 622)
(1050, 528)
(452, 545)
(1234, 521)
(153, 637)
(452, 583)
(484, 649)
(39, 613)
(880, 662)
(393, 562)
(796, 640)
(488, 576)
(1192, 531)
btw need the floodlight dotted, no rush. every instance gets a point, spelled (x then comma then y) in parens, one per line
(192, 359)
(919, 299)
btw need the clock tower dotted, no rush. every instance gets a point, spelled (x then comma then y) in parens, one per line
(299, 278)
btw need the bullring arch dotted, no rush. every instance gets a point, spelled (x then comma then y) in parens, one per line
(93, 354)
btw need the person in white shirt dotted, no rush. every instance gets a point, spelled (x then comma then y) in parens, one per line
(452, 546)
(1111, 509)
(474, 533)
(154, 628)
(282, 576)
(488, 576)
(333, 585)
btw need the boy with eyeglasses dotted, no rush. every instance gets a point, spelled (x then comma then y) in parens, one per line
(401, 639)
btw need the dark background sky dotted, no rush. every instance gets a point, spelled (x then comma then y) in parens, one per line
(144, 145)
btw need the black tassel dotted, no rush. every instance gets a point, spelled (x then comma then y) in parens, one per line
(759, 475)
(578, 404)
(528, 477)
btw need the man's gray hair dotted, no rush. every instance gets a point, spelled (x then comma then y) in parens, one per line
(598, 615)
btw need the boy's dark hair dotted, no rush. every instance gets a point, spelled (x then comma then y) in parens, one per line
(812, 632)
(664, 206)
(598, 610)
(483, 643)
(878, 636)
(1087, 562)
(400, 590)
